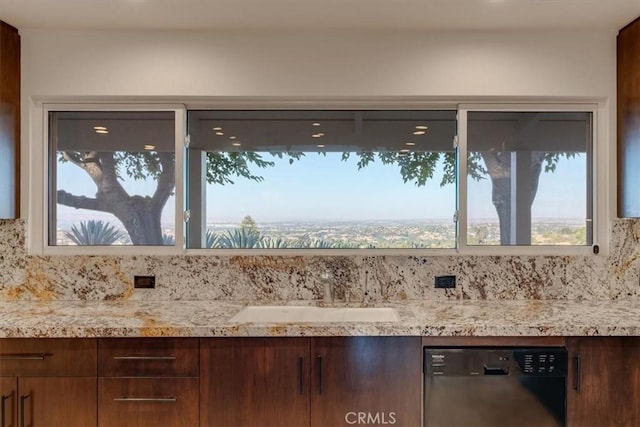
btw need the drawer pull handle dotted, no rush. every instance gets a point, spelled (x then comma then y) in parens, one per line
(23, 404)
(144, 357)
(3, 408)
(145, 399)
(319, 360)
(39, 356)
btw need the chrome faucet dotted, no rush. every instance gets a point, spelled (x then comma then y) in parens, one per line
(327, 281)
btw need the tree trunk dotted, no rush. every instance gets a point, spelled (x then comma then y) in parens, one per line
(139, 215)
(498, 165)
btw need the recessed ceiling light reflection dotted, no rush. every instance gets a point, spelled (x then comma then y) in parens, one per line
(236, 144)
(409, 144)
(405, 151)
(232, 137)
(315, 124)
(217, 128)
(102, 131)
(321, 145)
(99, 128)
(422, 127)
(149, 147)
(219, 133)
(419, 132)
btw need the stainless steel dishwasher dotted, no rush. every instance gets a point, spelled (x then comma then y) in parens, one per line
(495, 387)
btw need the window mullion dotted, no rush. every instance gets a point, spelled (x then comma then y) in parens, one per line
(461, 182)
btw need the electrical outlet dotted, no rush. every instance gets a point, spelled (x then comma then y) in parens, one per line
(445, 282)
(144, 282)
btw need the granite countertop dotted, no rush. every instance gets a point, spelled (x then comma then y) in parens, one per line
(212, 319)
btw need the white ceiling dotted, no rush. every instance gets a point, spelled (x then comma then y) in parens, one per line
(320, 14)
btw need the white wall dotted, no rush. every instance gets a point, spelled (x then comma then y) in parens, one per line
(67, 64)
(317, 64)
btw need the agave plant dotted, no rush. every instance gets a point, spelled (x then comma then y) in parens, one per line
(315, 244)
(272, 243)
(94, 232)
(212, 240)
(240, 238)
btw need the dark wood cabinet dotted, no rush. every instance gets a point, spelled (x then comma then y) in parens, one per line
(366, 380)
(333, 381)
(148, 357)
(145, 382)
(9, 121)
(48, 382)
(8, 401)
(628, 105)
(604, 381)
(254, 382)
(148, 402)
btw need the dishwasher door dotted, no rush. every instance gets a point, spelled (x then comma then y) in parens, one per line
(495, 387)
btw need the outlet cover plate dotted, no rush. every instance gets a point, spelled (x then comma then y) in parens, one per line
(144, 282)
(445, 282)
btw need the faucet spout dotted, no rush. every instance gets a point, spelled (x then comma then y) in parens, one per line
(327, 281)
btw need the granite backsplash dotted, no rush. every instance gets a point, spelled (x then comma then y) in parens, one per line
(273, 278)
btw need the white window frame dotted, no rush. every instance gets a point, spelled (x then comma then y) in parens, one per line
(38, 175)
(600, 161)
(39, 184)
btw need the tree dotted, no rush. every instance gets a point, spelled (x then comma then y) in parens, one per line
(249, 224)
(141, 215)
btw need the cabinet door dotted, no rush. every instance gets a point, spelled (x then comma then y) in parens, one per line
(628, 103)
(604, 381)
(53, 402)
(366, 380)
(9, 121)
(8, 403)
(254, 382)
(148, 402)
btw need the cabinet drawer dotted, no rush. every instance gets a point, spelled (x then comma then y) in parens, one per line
(40, 357)
(142, 402)
(148, 357)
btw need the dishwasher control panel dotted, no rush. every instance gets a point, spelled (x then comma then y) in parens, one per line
(475, 361)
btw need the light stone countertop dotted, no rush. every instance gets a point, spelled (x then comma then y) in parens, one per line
(59, 319)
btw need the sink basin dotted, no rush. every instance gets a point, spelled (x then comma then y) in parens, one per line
(296, 314)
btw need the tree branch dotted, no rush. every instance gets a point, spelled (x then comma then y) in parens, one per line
(166, 180)
(73, 158)
(78, 202)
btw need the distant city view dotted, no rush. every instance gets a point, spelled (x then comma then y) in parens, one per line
(371, 234)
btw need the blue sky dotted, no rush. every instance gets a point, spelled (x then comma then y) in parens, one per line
(315, 188)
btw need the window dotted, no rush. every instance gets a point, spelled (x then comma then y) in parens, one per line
(533, 180)
(112, 178)
(529, 178)
(321, 179)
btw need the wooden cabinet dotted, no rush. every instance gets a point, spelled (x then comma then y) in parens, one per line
(151, 402)
(320, 382)
(148, 382)
(604, 381)
(628, 105)
(48, 382)
(9, 121)
(254, 381)
(366, 380)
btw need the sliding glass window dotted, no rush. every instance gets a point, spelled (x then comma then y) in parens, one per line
(293, 179)
(529, 178)
(111, 178)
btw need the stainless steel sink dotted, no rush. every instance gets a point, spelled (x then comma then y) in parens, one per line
(305, 314)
